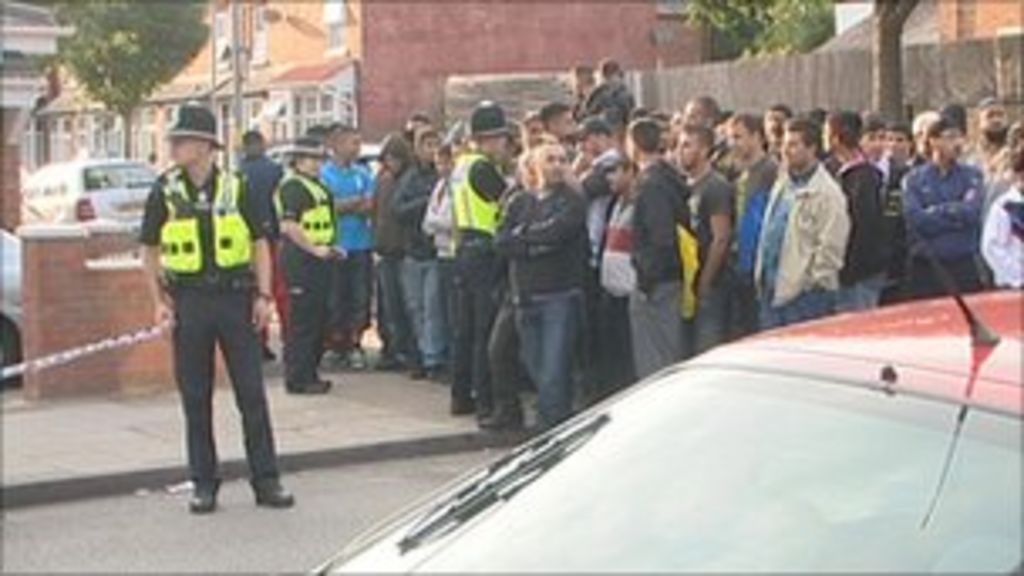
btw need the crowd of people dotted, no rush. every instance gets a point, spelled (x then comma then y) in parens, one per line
(595, 242)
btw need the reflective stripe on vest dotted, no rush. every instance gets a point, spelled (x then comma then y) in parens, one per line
(318, 221)
(181, 249)
(472, 210)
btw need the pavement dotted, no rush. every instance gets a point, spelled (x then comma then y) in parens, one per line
(151, 531)
(72, 449)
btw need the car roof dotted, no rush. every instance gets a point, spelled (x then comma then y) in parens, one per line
(921, 347)
(77, 165)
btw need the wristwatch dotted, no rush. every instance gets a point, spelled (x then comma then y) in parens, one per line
(265, 296)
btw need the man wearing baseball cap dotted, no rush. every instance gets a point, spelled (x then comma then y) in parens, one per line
(207, 264)
(477, 185)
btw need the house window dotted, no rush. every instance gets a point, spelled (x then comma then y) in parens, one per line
(222, 39)
(259, 35)
(146, 139)
(313, 108)
(671, 7)
(335, 17)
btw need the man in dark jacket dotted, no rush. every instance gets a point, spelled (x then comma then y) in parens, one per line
(867, 253)
(662, 198)
(546, 244)
(263, 176)
(611, 99)
(421, 273)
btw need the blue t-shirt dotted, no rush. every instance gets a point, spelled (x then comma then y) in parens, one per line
(345, 183)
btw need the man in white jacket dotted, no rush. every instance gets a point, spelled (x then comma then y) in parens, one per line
(804, 236)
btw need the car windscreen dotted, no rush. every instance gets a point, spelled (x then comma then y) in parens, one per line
(114, 176)
(722, 470)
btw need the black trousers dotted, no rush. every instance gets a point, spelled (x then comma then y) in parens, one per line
(475, 284)
(206, 318)
(507, 373)
(309, 288)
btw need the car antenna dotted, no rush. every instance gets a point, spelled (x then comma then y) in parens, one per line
(983, 342)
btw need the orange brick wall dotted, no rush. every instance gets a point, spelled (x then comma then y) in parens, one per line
(969, 19)
(67, 305)
(10, 174)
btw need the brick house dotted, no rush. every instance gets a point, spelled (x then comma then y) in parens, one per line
(367, 62)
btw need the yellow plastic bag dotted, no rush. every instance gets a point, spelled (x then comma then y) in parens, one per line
(689, 260)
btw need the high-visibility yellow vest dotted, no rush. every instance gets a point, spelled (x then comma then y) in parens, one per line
(181, 250)
(472, 211)
(318, 221)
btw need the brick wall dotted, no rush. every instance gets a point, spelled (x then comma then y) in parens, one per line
(970, 19)
(67, 304)
(10, 173)
(409, 48)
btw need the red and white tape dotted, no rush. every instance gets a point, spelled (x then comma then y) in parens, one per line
(69, 356)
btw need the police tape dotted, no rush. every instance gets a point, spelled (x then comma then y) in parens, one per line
(69, 356)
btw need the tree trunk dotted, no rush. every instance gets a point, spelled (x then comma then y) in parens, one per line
(887, 57)
(126, 128)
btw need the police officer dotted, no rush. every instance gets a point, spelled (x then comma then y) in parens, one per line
(208, 268)
(307, 226)
(477, 185)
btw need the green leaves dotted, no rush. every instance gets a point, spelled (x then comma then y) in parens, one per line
(764, 27)
(122, 51)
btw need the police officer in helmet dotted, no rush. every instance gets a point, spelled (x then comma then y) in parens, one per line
(307, 218)
(477, 184)
(208, 267)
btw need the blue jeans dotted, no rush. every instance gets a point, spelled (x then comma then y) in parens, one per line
(807, 306)
(863, 295)
(392, 319)
(548, 325)
(421, 283)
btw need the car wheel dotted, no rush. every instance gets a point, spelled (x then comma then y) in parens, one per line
(10, 350)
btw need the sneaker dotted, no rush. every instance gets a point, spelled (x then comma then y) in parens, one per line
(357, 359)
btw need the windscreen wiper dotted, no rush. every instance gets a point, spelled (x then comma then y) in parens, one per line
(501, 481)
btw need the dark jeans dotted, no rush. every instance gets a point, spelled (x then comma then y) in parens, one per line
(392, 319)
(548, 326)
(744, 315)
(922, 282)
(611, 366)
(204, 320)
(309, 283)
(475, 284)
(805, 307)
(351, 291)
(505, 359)
(712, 322)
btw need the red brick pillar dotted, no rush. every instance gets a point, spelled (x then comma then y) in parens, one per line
(77, 292)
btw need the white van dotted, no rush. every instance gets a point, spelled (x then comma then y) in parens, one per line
(86, 190)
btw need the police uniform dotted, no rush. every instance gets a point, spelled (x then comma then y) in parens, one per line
(206, 233)
(305, 201)
(477, 185)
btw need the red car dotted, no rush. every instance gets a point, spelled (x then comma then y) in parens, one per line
(889, 441)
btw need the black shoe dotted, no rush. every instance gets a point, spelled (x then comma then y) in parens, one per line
(203, 501)
(388, 364)
(503, 420)
(462, 407)
(273, 496)
(418, 373)
(437, 374)
(319, 387)
(268, 355)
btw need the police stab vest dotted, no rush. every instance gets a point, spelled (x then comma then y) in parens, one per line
(472, 210)
(181, 250)
(318, 221)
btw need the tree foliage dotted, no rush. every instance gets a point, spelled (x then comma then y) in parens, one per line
(122, 50)
(764, 27)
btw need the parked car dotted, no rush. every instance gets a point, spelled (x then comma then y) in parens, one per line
(889, 441)
(86, 190)
(10, 300)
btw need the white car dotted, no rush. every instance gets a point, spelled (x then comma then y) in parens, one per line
(10, 299)
(85, 190)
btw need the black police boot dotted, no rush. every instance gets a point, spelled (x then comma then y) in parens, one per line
(505, 418)
(273, 495)
(204, 499)
(462, 407)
